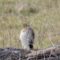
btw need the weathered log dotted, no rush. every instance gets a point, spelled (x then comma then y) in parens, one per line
(52, 53)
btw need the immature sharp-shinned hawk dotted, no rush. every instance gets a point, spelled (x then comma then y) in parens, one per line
(27, 37)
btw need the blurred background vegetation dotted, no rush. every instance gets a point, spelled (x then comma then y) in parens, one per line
(42, 15)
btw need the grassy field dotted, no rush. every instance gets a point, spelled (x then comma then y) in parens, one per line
(42, 15)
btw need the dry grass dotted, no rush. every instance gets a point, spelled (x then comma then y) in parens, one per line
(42, 15)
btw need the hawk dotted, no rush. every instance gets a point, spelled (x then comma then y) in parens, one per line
(27, 37)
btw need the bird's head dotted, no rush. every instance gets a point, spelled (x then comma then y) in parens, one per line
(25, 25)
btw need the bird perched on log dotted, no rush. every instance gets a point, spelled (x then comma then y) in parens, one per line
(27, 37)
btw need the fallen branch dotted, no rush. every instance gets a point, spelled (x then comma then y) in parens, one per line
(52, 53)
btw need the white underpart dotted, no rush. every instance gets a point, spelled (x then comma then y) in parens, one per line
(26, 37)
